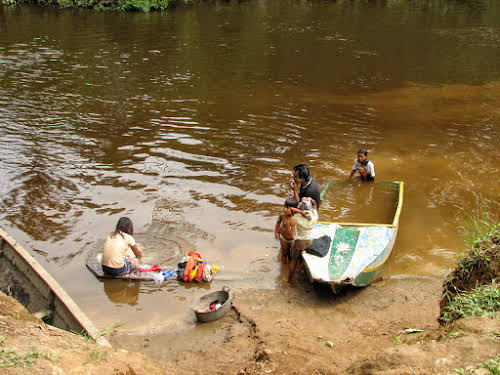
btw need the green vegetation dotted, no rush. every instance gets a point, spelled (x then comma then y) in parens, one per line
(480, 227)
(396, 340)
(152, 5)
(472, 289)
(96, 355)
(108, 330)
(453, 334)
(10, 358)
(492, 365)
(121, 5)
(484, 300)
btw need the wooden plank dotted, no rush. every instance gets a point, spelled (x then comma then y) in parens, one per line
(36, 275)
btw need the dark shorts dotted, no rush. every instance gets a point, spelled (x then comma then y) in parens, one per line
(117, 271)
(298, 247)
(369, 177)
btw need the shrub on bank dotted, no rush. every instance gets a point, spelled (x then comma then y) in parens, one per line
(472, 288)
(123, 5)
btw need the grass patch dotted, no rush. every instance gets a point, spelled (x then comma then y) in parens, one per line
(484, 300)
(493, 365)
(453, 335)
(10, 358)
(480, 226)
(96, 355)
(472, 288)
(396, 340)
(106, 331)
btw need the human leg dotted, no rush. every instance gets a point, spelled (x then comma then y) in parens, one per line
(296, 252)
(291, 270)
(363, 173)
(133, 263)
(284, 251)
(118, 271)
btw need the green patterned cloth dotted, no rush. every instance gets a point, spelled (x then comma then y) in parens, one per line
(344, 244)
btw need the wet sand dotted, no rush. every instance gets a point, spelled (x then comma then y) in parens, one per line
(285, 331)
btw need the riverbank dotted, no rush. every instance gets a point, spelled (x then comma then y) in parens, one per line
(102, 5)
(29, 346)
(390, 327)
(161, 5)
(295, 331)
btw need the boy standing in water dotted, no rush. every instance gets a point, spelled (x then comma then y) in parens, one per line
(285, 229)
(364, 166)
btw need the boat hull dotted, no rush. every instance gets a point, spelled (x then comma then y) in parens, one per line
(22, 277)
(357, 252)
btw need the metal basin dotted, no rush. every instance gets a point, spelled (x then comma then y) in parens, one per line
(222, 296)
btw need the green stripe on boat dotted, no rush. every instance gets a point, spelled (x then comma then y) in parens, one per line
(344, 244)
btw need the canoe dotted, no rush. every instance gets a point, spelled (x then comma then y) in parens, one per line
(357, 251)
(23, 278)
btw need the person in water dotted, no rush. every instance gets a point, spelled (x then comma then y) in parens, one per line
(285, 229)
(305, 218)
(304, 185)
(115, 261)
(364, 166)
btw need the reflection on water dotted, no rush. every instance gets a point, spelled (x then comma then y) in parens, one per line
(121, 291)
(191, 121)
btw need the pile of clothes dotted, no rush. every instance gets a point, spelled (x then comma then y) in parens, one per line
(193, 268)
(213, 306)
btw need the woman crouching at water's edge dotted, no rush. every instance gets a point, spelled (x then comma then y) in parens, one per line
(115, 261)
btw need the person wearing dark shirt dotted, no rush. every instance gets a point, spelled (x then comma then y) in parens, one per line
(307, 185)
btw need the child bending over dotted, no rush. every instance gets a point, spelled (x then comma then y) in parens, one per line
(364, 166)
(305, 218)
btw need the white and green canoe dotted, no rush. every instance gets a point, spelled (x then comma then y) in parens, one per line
(358, 251)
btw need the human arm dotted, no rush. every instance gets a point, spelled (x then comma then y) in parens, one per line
(136, 251)
(355, 167)
(293, 184)
(277, 228)
(300, 212)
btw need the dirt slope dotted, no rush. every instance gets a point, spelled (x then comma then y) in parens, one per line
(29, 346)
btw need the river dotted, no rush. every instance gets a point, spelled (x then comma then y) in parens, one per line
(190, 122)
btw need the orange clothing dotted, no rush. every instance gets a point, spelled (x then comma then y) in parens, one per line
(190, 265)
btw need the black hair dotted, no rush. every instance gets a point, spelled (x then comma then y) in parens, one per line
(290, 202)
(363, 151)
(124, 225)
(303, 171)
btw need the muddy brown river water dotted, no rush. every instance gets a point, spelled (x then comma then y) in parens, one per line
(190, 122)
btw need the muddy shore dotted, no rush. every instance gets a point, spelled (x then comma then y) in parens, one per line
(283, 332)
